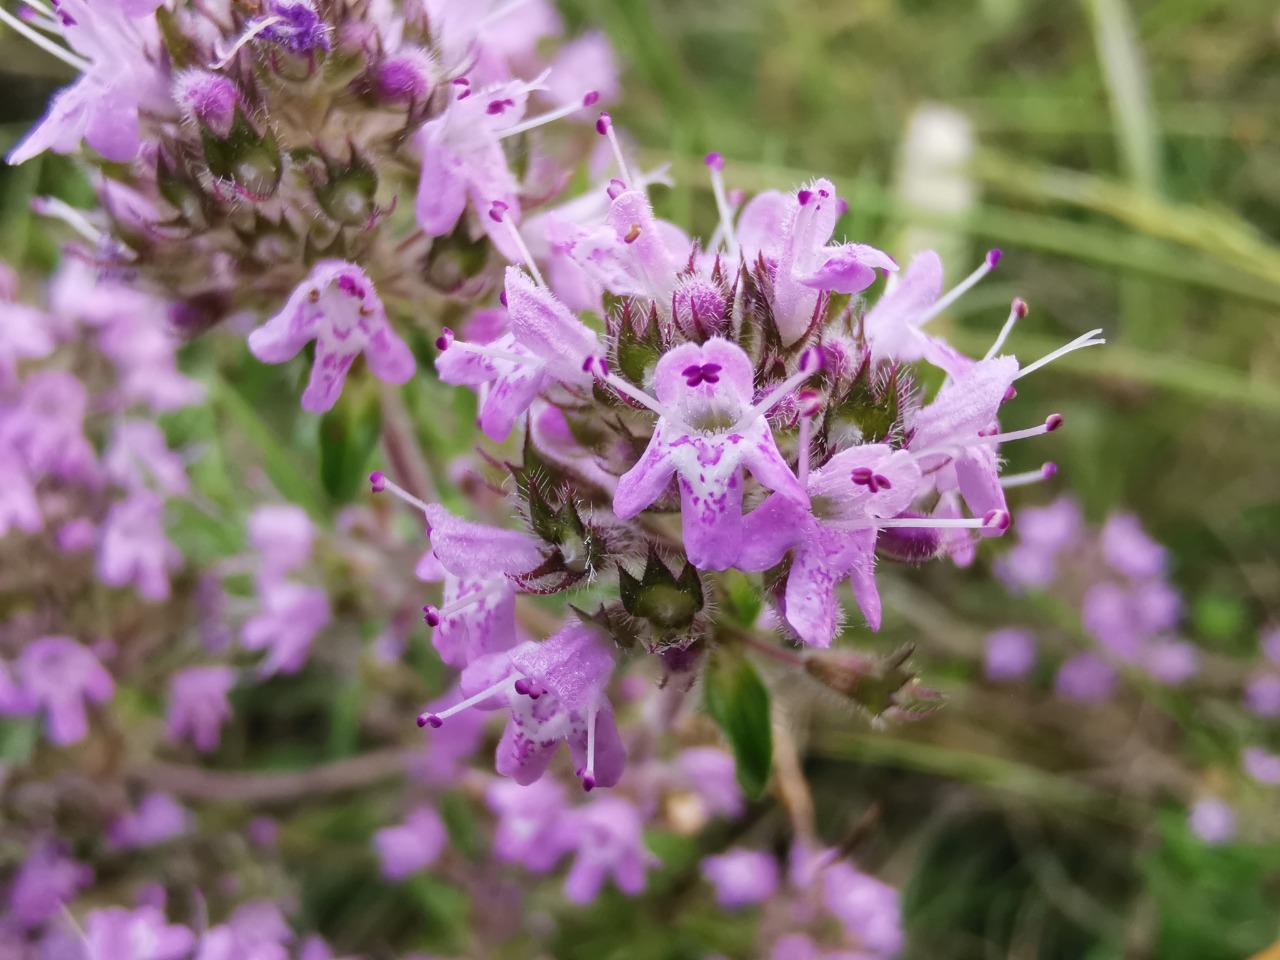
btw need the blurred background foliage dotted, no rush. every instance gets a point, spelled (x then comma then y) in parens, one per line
(1128, 162)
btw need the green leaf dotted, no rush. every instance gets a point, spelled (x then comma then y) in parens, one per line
(348, 435)
(737, 700)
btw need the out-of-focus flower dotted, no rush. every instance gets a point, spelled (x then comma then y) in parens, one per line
(1010, 655)
(608, 841)
(1212, 820)
(61, 676)
(413, 846)
(157, 818)
(741, 877)
(198, 705)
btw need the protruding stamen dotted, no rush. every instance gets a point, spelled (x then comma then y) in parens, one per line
(462, 86)
(604, 127)
(493, 353)
(615, 189)
(874, 482)
(588, 773)
(810, 407)
(963, 287)
(498, 214)
(75, 219)
(1090, 339)
(257, 29)
(433, 616)
(44, 43)
(1031, 476)
(810, 363)
(598, 367)
(1051, 423)
(436, 720)
(591, 97)
(715, 163)
(993, 520)
(1017, 311)
(445, 340)
(379, 483)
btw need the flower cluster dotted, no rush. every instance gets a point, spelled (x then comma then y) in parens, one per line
(704, 441)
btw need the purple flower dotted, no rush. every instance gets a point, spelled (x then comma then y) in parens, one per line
(158, 818)
(555, 691)
(282, 536)
(633, 254)
(741, 877)
(1109, 615)
(1262, 766)
(954, 438)
(46, 427)
(19, 509)
(135, 335)
(894, 326)
(463, 159)
(867, 908)
(1011, 653)
(198, 705)
(1044, 533)
(608, 839)
(1262, 695)
(1128, 548)
(1173, 662)
(111, 43)
(134, 549)
(1085, 678)
(24, 335)
(1271, 645)
(546, 343)
(793, 231)
(531, 827)
(477, 616)
(707, 432)
(710, 773)
(1212, 820)
(413, 846)
(586, 63)
(60, 675)
(142, 934)
(337, 307)
(139, 455)
(795, 946)
(292, 614)
(835, 539)
(44, 883)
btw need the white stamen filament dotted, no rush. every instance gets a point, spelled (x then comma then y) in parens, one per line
(534, 122)
(639, 396)
(802, 458)
(1030, 477)
(524, 251)
(75, 219)
(997, 438)
(958, 291)
(1016, 312)
(483, 350)
(969, 523)
(589, 773)
(726, 214)
(772, 398)
(471, 599)
(1090, 339)
(41, 7)
(483, 695)
(398, 491)
(249, 35)
(44, 43)
(617, 154)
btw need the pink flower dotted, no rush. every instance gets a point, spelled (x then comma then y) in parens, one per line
(337, 307)
(708, 432)
(133, 548)
(292, 614)
(61, 676)
(198, 705)
(741, 877)
(609, 842)
(413, 846)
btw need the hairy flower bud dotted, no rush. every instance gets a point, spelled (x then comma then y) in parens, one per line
(209, 99)
(699, 309)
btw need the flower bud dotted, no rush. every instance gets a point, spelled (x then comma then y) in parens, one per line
(246, 159)
(405, 78)
(348, 196)
(209, 99)
(699, 308)
(668, 602)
